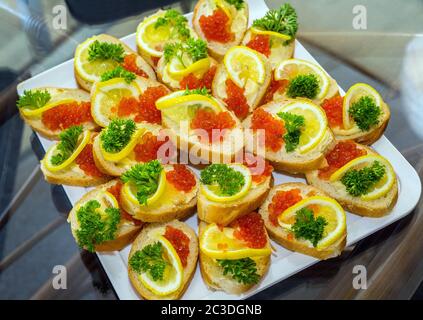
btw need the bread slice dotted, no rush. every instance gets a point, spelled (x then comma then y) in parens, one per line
(57, 94)
(238, 26)
(213, 276)
(370, 208)
(174, 204)
(140, 62)
(148, 236)
(291, 162)
(127, 229)
(280, 235)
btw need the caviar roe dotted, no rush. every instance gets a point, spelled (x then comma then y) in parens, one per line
(85, 161)
(333, 109)
(260, 43)
(127, 106)
(209, 120)
(274, 129)
(179, 241)
(275, 86)
(258, 173)
(66, 115)
(155, 60)
(115, 191)
(192, 82)
(148, 111)
(281, 201)
(216, 27)
(147, 149)
(130, 64)
(181, 178)
(344, 152)
(250, 228)
(236, 100)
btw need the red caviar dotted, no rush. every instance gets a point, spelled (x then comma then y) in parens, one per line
(216, 27)
(208, 120)
(281, 201)
(192, 82)
(260, 43)
(236, 100)
(147, 100)
(259, 173)
(147, 149)
(115, 191)
(275, 86)
(85, 161)
(250, 228)
(127, 106)
(274, 129)
(66, 115)
(333, 109)
(181, 178)
(130, 64)
(180, 242)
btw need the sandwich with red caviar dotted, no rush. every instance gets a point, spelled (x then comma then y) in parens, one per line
(228, 191)
(362, 181)
(236, 257)
(49, 111)
(124, 143)
(155, 192)
(202, 125)
(163, 260)
(302, 218)
(70, 161)
(361, 115)
(274, 34)
(222, 23)
(103, 53)
(292, 133)
(98, 222)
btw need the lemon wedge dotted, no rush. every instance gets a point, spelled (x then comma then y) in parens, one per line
(84, 139)
(129, 190)
(177, 70)
(382, 187)
(243, 64)
(117, 156)
(327, 208)
(48, 106)
(173, 275)
(220, 243)
(277, 35)
(354, 94)
(212, 191)
(107, 96)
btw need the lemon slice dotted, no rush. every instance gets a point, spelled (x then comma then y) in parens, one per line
(177, 70)
(48, 106)
(149, 38)
(129, 190)
(222, 4)
(220, 243)
(354, 94)
(291, 68)
(212, 191)
(315, 123)
(117, 156)
(278, 35)
(83, 141)
(326, 208)
(242, 64)
(173, 275)
(382, 187)
(107, 96)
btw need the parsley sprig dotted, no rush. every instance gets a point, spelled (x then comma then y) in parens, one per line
(105, 51)
(67, 145)
(293, 124)
(149, 259)
(242, 270)
(229, 180)
(202, 91)
(360, 182)
(304, 85)
(33, 99)
(238, 4)
(118, 72)
(307, 227)
(177, 22)
(365, 113)
(117, 135)
(190, 51)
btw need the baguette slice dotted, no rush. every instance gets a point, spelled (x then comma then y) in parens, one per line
(292, 162)
(281, 236)
(148, 236)
(371, 208)
(127, 229)
(238, 26)
(139, 61)
(57, 94)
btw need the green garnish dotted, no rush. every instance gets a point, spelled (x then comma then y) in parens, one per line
(229, 180)
(365, 113)
(305, 86)
(33, 99)
(307, 227)
(149, 259)
(238, 4)
(145, 176)
(117, 135)
(203, 91)
(359, 182)
(192, 50)
(282, 20)
(242, 270)
(293, 124)
(96, 228)
(67, 145)
(176, 21)
(118, 72)
(105, 51)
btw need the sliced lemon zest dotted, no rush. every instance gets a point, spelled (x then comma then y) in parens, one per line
(48, 106)
(115, 157)
(283, 37)
(128, 191)
(178, 71)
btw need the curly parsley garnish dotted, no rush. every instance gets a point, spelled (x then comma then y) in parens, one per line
(365, 113)
(229, 180)
(149, 259)
(96, 228)
(145, 177)
(67, 145)
(105, 51)
(305, 86)
(117, 135)
(242, 270)
(238, 4)
(191, 50)
(307, 227)
(360, 182)
(293, 124)
(176, 21)
(118, 72)
(33, 99)
(202, 91)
